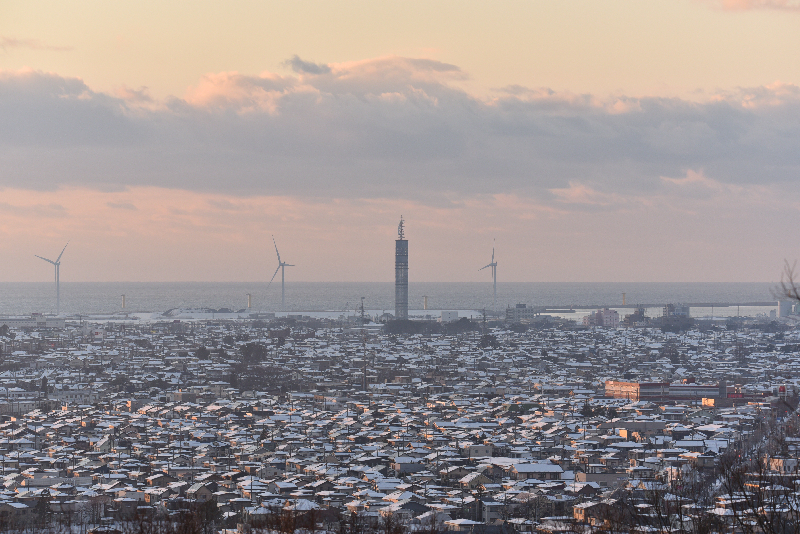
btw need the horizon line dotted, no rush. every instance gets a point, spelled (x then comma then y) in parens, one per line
(265, 282)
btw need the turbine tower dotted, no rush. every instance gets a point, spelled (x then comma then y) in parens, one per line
(57, 265)
(281, 267)
(493, 265)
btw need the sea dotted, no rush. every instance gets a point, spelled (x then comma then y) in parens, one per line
(89, 298)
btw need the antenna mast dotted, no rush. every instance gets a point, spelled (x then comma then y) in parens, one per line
(401, 273)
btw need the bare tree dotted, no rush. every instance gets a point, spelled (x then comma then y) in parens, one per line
(789, 287)
(432, 525)
(392, 523)
(761, 488)
(359, 524)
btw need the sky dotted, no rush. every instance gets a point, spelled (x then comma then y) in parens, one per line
(586, 141)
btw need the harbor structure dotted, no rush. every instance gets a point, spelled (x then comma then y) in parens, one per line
(401, 273)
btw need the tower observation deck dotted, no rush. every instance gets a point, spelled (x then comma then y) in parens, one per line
(401, 273)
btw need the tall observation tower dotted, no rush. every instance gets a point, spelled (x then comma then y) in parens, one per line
(401, 273)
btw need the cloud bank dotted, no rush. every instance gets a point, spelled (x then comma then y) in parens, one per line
(328, 156)
(385, 127)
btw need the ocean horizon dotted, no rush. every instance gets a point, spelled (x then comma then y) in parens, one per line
(19, 298)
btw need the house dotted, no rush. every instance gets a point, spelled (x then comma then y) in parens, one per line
(596, 513)
(201, 491)
(461, 525)
(473, 480)
(539, 470)
(157, 494)
(160, 480)
(14, 513)
(470, 450)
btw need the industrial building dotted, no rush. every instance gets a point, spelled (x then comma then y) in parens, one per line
(449, 316)
(636, 391)
(604, 317)
(521, 313)
(786, 308)
(676, 310)
(664, 391)
(36, 320)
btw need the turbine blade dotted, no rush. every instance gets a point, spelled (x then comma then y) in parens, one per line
(45, 259)
(289, 265)
(276, 249)
(273, 275)
(62, 252)
(484, 267)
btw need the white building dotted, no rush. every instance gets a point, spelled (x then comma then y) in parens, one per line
(604, 317)
(449, 316)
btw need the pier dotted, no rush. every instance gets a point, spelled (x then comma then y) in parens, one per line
(571, 308)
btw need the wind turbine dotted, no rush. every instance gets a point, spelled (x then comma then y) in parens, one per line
(57, 265)
(493, 265)
(281, 267)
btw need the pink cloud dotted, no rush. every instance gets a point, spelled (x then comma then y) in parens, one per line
(7, 43)
(696, 191)
(131, 95)
(245, 93)
(583, 194)
(398, 68)
(744, 5)
(772, 95)
(389, 79)
(553, 99)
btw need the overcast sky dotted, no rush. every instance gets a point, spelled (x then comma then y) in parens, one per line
(594, 141)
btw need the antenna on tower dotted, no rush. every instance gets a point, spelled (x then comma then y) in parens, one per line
(401, 229)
